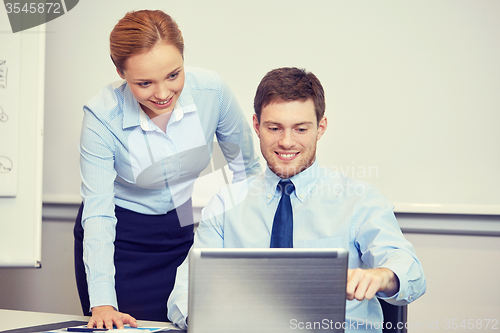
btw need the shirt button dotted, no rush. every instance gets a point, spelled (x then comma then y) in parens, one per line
(269, 196)
(301, 195)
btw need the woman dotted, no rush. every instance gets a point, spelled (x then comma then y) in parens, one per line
(144, 141)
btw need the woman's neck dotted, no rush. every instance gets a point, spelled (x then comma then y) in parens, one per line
(162, 120)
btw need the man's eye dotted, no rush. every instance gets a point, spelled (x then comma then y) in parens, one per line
(273, 129)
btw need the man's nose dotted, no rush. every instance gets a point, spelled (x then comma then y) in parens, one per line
(287, 141)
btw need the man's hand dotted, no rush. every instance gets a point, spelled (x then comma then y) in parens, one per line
(364, 283)
(106, 316)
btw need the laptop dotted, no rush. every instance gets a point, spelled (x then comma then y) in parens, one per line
(267, 290)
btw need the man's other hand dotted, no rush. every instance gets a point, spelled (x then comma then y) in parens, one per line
(365, 283)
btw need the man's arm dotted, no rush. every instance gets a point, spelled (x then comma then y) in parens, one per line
(395, 273)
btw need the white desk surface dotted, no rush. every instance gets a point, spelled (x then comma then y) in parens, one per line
(12, 319)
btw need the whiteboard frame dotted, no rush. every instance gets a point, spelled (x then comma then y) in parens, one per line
(446, 209)
(27, 205)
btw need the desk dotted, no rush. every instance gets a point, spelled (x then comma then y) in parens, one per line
(12, 319)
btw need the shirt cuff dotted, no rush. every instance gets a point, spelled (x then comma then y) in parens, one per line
(102, 293)
(177, 311)
(403, 296)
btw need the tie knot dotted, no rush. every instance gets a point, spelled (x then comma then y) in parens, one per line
(286, 187)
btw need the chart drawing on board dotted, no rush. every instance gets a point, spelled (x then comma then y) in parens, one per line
(3, 74)
(9, 99)
(3, 116)
(5, 164)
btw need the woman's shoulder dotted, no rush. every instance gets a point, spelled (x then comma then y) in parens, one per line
(109, 98)
(201, 78)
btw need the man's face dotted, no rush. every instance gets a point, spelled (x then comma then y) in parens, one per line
(288, 133)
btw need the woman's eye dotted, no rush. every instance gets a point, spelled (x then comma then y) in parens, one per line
(144, 84)
(173, 76)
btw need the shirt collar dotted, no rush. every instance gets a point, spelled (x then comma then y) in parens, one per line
(303, 182)
(148, 125)
(133, 115)
(131, 108)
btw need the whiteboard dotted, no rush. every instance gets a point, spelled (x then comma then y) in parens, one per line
(411, 86)
(22, 56)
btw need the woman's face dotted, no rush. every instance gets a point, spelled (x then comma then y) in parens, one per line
(156, 78)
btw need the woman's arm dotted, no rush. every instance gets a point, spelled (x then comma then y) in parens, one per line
(99, 222)
(235, 130)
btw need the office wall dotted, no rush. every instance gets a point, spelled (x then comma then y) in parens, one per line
(462, 285)
(52, 287)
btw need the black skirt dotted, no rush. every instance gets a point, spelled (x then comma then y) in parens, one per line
(148, 250)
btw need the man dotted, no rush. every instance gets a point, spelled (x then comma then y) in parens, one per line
(329, 210)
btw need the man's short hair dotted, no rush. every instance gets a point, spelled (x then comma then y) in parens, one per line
(289, 84)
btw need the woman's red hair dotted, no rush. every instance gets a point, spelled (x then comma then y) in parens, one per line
(139, 31)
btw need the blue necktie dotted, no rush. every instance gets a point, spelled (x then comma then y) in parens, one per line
(282, 233)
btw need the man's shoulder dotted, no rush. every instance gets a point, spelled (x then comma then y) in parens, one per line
(240, 190)
(338, 184)
(231, 195)
(332, 176)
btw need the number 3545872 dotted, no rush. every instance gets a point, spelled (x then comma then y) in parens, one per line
(33, 8)
(473, 324)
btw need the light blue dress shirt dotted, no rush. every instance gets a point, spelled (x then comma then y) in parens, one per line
(128, 161)
(330, 210)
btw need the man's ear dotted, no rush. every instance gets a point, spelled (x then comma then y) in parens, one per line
(120, 73)
(321, 127)
(256, 125)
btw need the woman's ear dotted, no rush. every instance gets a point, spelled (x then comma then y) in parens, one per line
(120, 73)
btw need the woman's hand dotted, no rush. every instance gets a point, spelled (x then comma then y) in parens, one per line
(106, 317)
